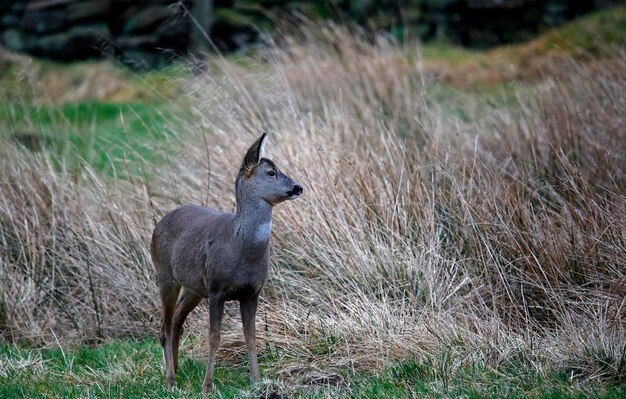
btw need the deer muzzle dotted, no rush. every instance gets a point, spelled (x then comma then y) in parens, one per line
(295, 192)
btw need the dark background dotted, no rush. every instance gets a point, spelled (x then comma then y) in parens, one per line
(148, 33)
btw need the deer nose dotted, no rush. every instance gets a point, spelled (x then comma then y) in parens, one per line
(296, 190)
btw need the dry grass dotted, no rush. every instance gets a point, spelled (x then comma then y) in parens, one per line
(44, 83)
(491, 241)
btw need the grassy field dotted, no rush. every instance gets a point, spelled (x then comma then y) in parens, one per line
(131, 369)
(111, 137)
(461, 232)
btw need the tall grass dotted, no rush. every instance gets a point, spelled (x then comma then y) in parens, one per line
(493, 240)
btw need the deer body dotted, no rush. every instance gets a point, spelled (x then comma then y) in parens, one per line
(202, 253)
(232, 260)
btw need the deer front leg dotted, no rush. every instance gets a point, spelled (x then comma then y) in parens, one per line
(216, 311)
(248, 309)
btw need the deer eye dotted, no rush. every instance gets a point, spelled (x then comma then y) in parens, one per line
(271, 173)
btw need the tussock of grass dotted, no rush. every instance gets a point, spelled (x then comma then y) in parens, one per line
(491, 241)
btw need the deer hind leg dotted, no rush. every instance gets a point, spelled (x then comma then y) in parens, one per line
(186, 303)
(169, 295)
(248, 309)
(216, 311)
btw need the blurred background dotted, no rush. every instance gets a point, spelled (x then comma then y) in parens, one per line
(147, 33)
(462, 231)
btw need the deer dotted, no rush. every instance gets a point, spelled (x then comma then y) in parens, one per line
(199, 252)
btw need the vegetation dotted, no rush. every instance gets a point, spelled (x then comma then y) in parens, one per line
(598, 35)
(450, 242)
(133, 370)
(110, 137)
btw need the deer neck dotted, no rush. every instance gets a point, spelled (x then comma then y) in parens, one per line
(253, 223)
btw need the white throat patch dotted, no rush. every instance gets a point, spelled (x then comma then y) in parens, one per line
(263, 232)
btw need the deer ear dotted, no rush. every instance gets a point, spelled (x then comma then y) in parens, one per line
(255, 153)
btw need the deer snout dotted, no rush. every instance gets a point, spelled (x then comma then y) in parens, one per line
(295, 191)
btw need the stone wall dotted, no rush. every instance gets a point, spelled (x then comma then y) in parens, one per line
(147, 33)
(79, 29)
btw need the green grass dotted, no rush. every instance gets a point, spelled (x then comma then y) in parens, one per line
(93, 111)
(133, 369)
(113, 138)
(592, 33)
(592, 37)
(451, 54)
